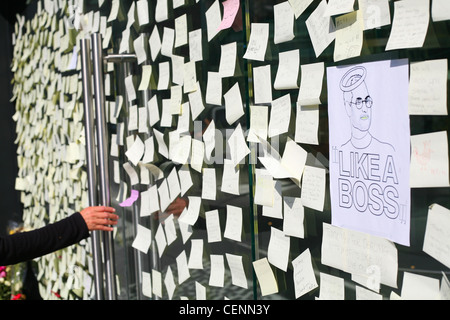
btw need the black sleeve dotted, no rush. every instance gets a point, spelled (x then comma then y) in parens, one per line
(32, 244)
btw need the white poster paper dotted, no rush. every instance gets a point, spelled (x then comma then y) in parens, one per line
(369, 148)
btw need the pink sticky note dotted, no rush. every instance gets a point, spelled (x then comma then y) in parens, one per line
(230, 9)
(133, 197)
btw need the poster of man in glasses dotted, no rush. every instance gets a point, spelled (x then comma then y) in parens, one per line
(369, 140)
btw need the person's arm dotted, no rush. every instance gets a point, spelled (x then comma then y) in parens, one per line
(29, 245)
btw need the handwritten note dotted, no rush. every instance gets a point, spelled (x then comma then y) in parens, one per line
(237, 271)
(346, 249)
(278, 249)
(313, 187)
(257, 45)
(429, 160)
(213, 226)
(303, 274)
(307, 124)
(280, 115)
(428, 87)
(321, 28)
(262, 84)
(283, 22)
(288, 67)
(410, 24)
(436, 241)
(349, 36)
(294, 214)
(311, 83)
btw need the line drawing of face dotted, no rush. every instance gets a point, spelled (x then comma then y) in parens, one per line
(359, 108)
(357, 100)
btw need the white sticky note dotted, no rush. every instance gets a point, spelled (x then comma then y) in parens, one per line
(427, 91)
(160, 239)
(321, 28)
(230, 178)
(143, 239)
(337, 243)
(181, 31)
(197, 155)
(190, 214)
(164, 75)
(213, 20)
(259, 117)
(161, 11)
(182, 267)
(349, 36)
(234, 108)
(209, 139)
(196, 102)
(419, 287)
(169, 282)
(162, 147)
(313, 187)
(153, 111)
(331, 287)
(233, 225)
(437, 234)
(155, 43)
(293, 160)
(237, 146)
(262, 84)
(311, 83)
(278, 249)
(410, 24)
(173, 184)
(196, 254)
(294, 214)
(263, 188)
(195, 45)
(303, 274)
(237, 271)
(135, 153)
(287, 72)
(257, 45)
(214, 89)
(132, 174)
(209, 184)
(185, 179)
(164, 196)
(283, 22)
(170, 229)
(280, 115)
(440, 10)
(157, 283)
(213, 226)
(130, 90)
(227, 59)
(307, 124)
(276, 210)
(217, 274)
(429, 160)
(146, 284)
